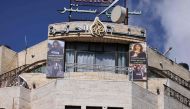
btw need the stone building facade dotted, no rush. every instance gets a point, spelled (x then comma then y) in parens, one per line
(24, 84)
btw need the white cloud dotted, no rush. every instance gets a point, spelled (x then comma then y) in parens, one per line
(150, 20)
(175, 18)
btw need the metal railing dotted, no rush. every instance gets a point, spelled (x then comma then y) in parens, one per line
(169, 74)
(74, 67)
(176, 95)
(10, 78)
(177, 79)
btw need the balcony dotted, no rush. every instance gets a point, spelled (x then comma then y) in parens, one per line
(95, 72)
(74, 67)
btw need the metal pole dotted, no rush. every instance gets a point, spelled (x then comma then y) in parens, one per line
(13, 107)
(25, 49)
(70, 11)
(126, 17)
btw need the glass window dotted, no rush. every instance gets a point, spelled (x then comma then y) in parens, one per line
(121, 59)
(106, 61)
(110, 47)
(95, 56)
(69, 65)
(70, 46)
(85, 61)
(96, 47)
(82, 46)
(123, 48)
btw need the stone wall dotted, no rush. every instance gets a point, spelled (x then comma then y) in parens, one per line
(104, 93)
(155, 58)
(165, 102)
(1, 58)
(34, 53)
(83, 93)
(178, 88)
(143, 99)
(170, 103)
(155, 85)
(8, 59)
(44, 97)
(24, 100)
(14, 98)
(94, 93)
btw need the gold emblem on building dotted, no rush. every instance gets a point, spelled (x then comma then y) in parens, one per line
(97, 28)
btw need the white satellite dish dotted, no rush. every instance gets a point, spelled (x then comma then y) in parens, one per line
(118, 14)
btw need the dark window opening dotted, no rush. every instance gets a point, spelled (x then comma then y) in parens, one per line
(115, 108)
(93, 107)
(72, 107)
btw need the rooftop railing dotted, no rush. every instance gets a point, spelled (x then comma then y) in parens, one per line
(10, 78)
(169, 74)
(74, 67)
(176, 95)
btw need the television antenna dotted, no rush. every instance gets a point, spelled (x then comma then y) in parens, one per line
(119, 14)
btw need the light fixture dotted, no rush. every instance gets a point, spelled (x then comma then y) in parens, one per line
(169, 49)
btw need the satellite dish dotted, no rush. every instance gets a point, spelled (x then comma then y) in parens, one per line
(118, 14)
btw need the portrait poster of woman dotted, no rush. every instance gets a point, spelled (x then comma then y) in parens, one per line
(137, 53)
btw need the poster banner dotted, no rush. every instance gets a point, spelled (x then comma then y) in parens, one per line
(138, 61)
(138, 72)
(55, 59)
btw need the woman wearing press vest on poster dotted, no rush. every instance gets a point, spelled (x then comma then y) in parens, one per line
(137, 51)
(55, 59)
(139, 72)
(55, 49)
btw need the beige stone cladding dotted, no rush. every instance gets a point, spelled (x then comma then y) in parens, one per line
(34, 53)
(0, 58)
(170, 103)
(185, 92)
(94, 93)
(44, 97)
(165, 102)
(158, 61)
(14, 98)
(143, 99)
(8, 59)
(37, 79)
(104, 93)
(155, 85)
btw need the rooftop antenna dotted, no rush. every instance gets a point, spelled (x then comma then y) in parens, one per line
(108, 7)
(26, 45)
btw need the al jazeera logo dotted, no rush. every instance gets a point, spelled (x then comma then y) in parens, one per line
(97, 28)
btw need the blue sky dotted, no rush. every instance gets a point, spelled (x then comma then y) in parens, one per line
(20, 18)
(30, 18)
